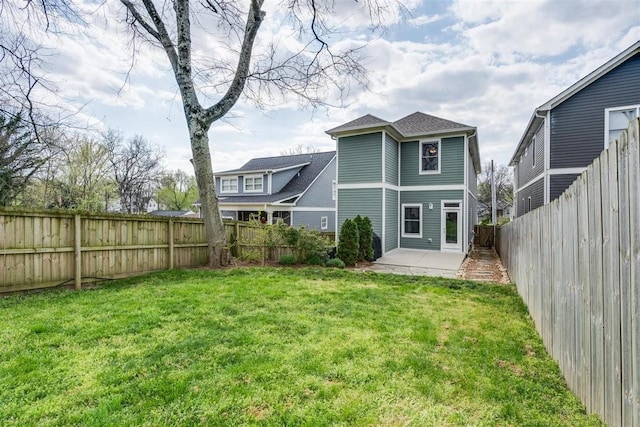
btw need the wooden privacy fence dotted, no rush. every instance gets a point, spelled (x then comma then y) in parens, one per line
(576, 263)
(40, 249)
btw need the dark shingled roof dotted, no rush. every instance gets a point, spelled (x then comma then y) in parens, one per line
(421, 123)
(367, 120)
(298, 184)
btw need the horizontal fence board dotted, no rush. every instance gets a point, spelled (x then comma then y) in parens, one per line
(576, 264)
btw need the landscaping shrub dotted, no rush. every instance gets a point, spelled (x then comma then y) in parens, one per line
(348, 244)
(365, 232)
(335, 263)
(287, 260)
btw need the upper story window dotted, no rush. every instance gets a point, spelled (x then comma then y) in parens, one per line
(334, 190)
(253, 183)
(429, 157)
(533, 152)
(617, 119)
(229, 185)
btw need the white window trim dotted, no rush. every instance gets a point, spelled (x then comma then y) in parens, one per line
(334, 190)
(533, 152)
(607, 112)
(253, 177)
(324, 222)
(429, 141)
(412, 235)
(229, 178)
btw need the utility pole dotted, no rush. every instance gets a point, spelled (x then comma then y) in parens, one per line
(494, 210)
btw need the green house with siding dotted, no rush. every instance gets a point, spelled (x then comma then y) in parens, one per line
(415, 178)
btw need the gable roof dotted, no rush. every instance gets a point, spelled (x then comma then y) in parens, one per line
(422, 124)
(535, 121)
(414, 125)
(312, 164)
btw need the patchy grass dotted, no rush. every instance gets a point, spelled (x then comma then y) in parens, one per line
(266, 346)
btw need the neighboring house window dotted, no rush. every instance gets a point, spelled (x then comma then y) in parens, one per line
(324, 223)
(533, 152)
(334, 190)
(412, 221)
(617, 119)
(252, 183)
(529, 204)
(430, 157)
(229, 185)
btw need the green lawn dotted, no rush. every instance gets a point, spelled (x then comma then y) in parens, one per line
(269, 346)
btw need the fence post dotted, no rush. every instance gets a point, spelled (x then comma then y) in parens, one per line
(170, 243)
(77, 220)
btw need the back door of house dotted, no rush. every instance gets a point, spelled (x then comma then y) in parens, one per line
(451, 238)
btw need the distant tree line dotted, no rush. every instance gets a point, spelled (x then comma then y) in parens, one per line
(53, 168)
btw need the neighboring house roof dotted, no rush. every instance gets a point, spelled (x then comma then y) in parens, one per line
(173, 213)
(535, 121)
(311, 164)
(412, 126)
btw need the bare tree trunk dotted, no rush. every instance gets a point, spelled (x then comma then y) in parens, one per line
(218, 254)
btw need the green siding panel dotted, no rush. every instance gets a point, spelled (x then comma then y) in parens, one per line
(363, 202)
(451, 163)
(360, 158)
(391, 220)
(391, 154)
(430, 217)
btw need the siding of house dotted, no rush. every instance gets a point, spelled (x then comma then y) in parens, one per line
(525, 170)
(577, 125)
(431, 218)
(559, 183)
(311, 219)
(280, 179)
(363, 202)
(392, 151)
(472, 178)
(391, 218)
(319, 193)
(536, 192)
(472, 215)
(363, 154)
(451, 167)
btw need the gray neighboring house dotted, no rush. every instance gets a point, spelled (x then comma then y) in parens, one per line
(415, 178)
(565, 134)
(297, 189)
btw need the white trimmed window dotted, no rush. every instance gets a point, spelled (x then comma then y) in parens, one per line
(533, 152)
(412, 220)
(429, 157)
(334, 190)
(617, 119)
(253, 183)
(229, 185)
(324, 223)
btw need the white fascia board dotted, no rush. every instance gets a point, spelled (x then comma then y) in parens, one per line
(566, 171)
(313, 209)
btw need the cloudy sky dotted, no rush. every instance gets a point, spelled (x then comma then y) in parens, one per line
(483, 63)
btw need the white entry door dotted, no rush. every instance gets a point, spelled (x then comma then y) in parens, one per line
(451, 238)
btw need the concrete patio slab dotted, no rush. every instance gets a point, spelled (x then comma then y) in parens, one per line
(419, 262)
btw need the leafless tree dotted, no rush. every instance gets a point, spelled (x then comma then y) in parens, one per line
(300, 149)
(136, 167)
(22, 74)
(222, 71)
(504, 184)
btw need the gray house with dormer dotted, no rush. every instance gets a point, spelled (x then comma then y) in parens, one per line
(415, 178)
(566, 133)
(296, 189)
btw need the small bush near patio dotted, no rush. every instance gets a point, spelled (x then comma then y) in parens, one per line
(335, 263)
(275, 347)
(287, 260)
(348, 243)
